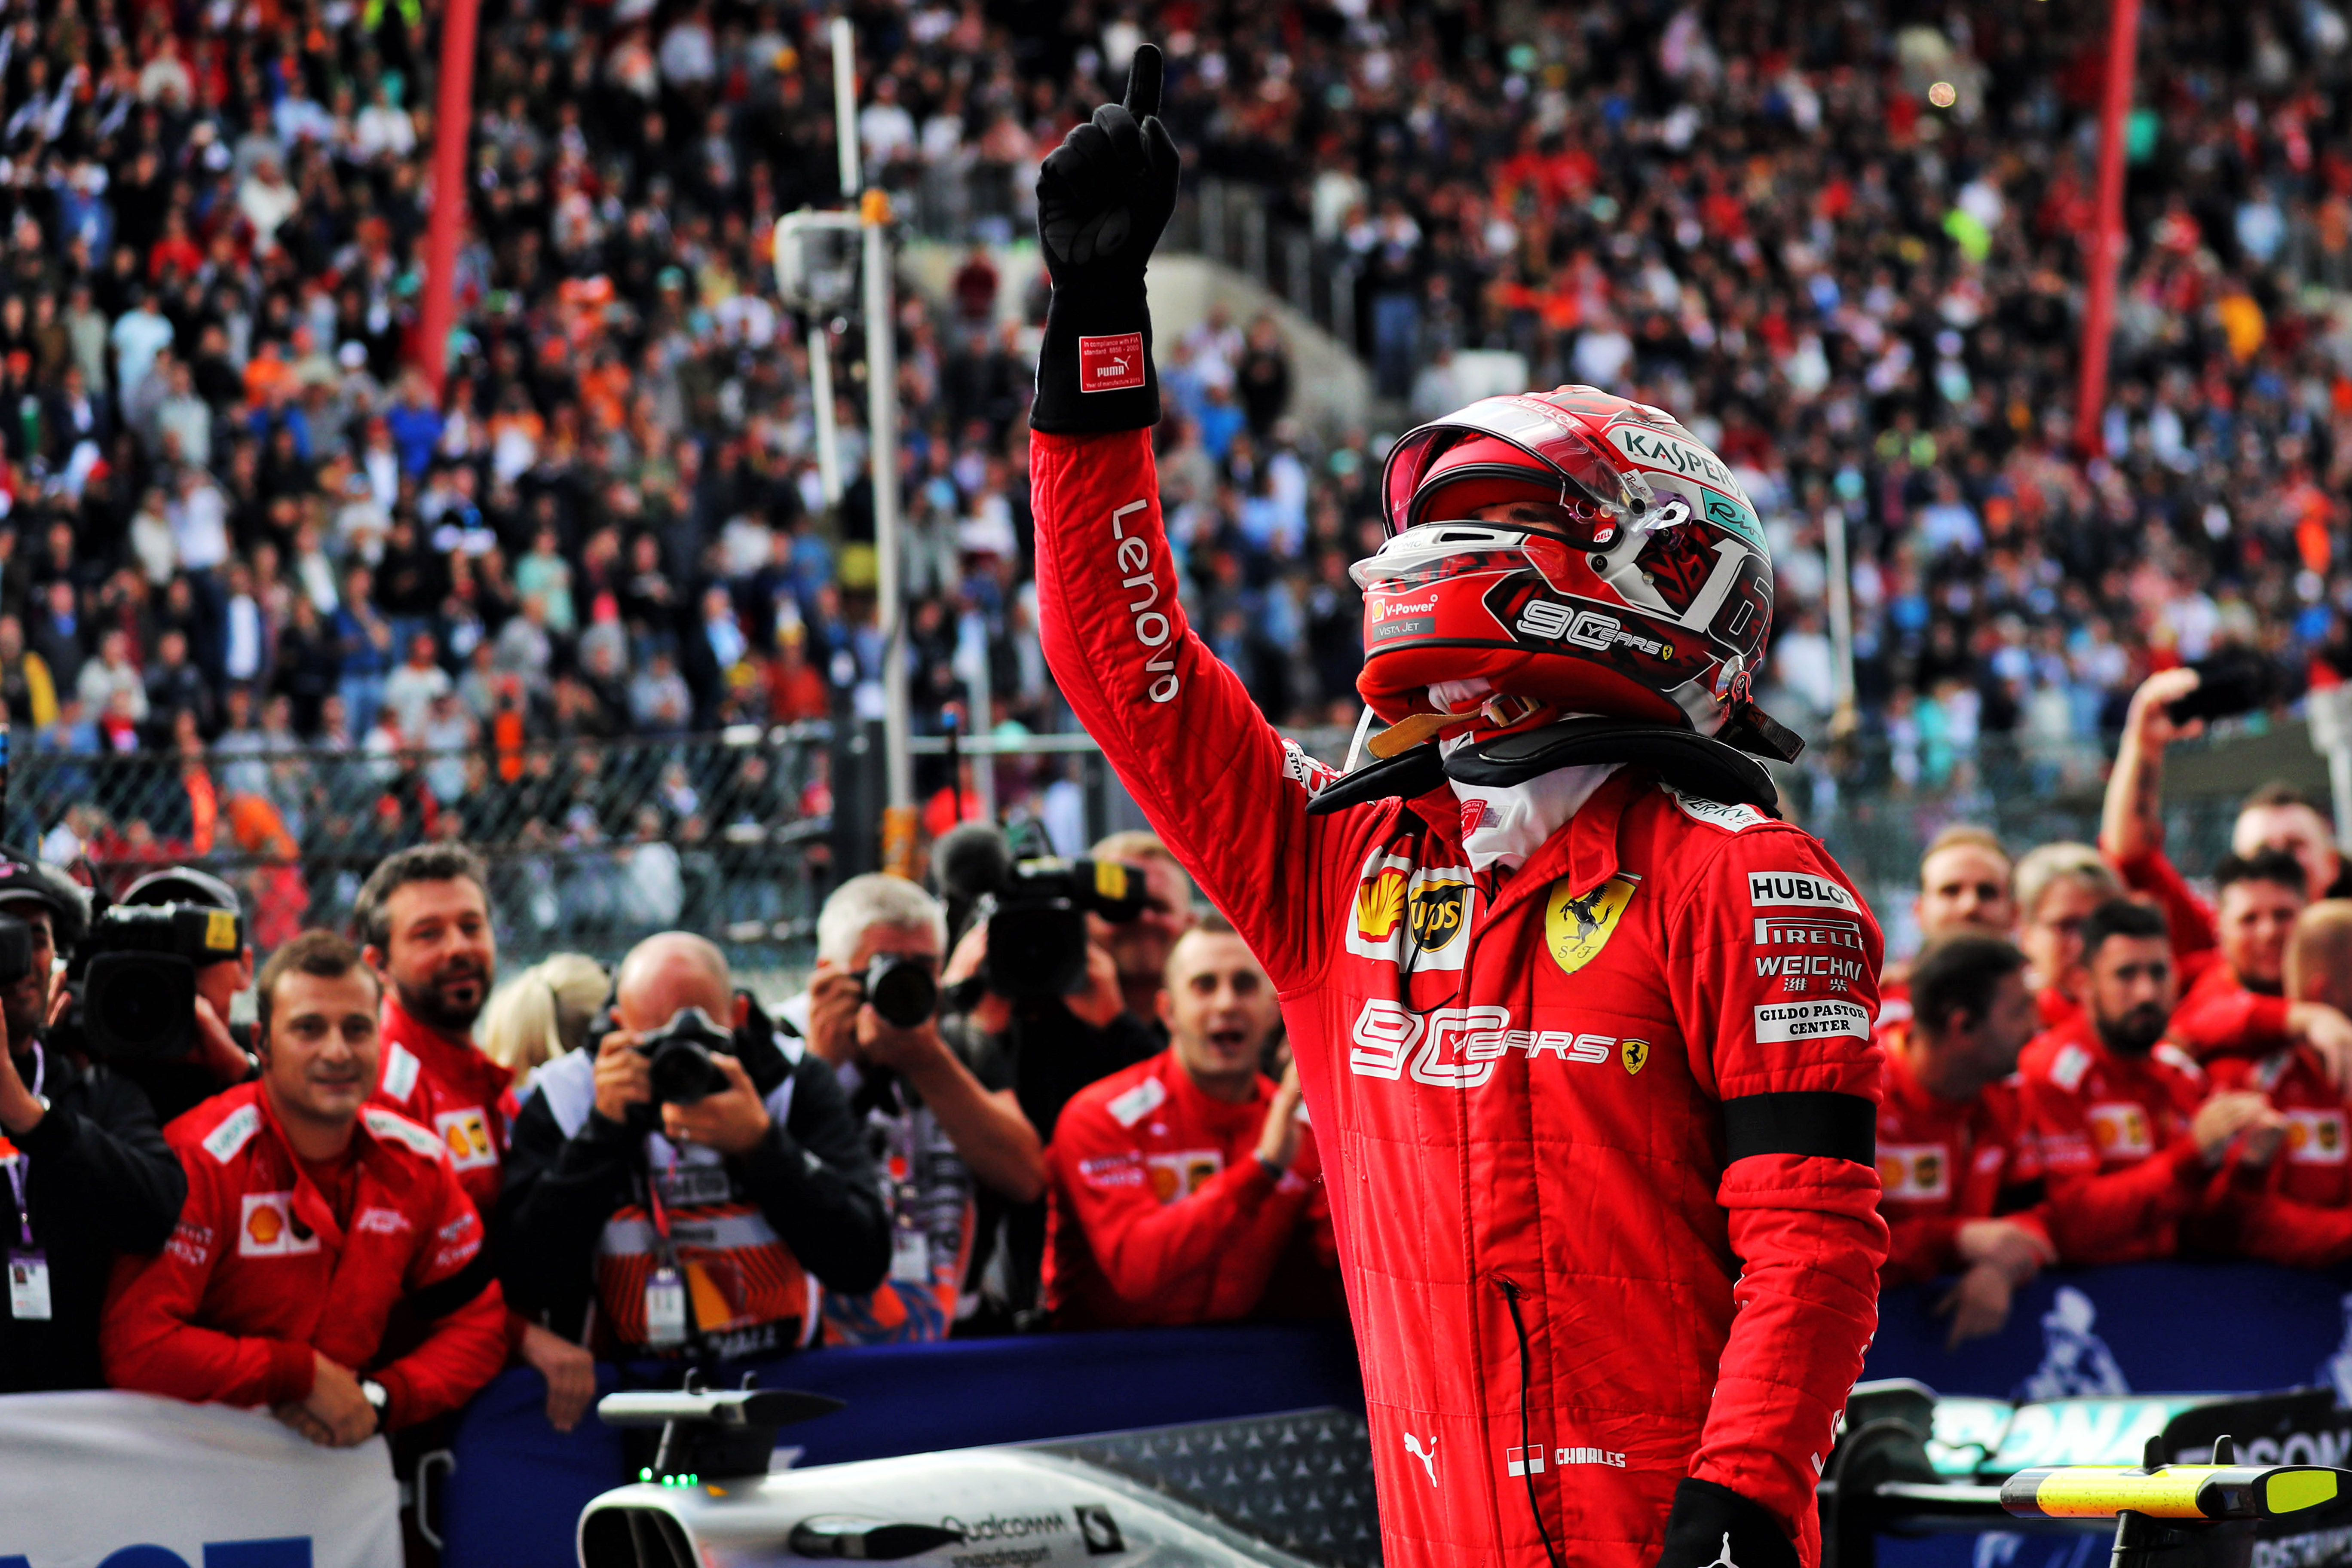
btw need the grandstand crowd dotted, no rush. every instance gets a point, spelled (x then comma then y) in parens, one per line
(238, 527)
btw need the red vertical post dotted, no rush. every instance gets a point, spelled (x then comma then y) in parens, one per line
(2106, 247)
(453, 125)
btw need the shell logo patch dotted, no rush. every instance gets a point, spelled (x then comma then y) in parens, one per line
(1182, 1174)
(1636, 1055)
(1380, 904)
(1578, 926)
(267, 1227)
(467, 1135)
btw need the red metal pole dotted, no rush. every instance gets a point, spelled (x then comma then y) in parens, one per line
(2106, 247)
(453, 127)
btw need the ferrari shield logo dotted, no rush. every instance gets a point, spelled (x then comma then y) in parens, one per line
(1577, 927)
(1634, 1054)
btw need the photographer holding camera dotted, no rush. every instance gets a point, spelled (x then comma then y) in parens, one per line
(688, 1174)
(154, 982)
(86, 1172)
(938, 1130)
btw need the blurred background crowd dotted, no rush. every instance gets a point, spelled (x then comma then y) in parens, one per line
(1843, 245)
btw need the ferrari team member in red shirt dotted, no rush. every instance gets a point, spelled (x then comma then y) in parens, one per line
(1583, 1027)
(315, 1223)
(1964, 881)
(2238, 1005)
(1187, 1188)
(2130, 1136)
(2056, 887)
(2313, 1165)
(1962, 1177)
(425, 915)
(2223, 1007)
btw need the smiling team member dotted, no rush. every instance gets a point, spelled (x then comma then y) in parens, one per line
(311, 1216)
(1187, 1189)
(425, 915)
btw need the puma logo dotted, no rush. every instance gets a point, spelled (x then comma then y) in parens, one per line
(1428, 1457)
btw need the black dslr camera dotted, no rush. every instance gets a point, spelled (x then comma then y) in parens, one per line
(902, 988)
(1036, 905)
(678, 1057)
(16, 951)
(138, 986)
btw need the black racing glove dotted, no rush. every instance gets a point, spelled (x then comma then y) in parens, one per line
(1711, 1526)
(1103, 197)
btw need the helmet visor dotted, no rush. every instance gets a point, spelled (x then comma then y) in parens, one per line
(1598, 496)
(1441, 552)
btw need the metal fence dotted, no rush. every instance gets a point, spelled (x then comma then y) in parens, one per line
(740, 834)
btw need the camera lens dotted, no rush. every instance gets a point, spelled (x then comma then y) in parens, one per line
(904, 994)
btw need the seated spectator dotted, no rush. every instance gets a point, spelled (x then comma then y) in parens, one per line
(87, 1175)
(939, 1132)
(1961, 1177)
(690, 1222)
(2129, 1139)
(1187, 1188)
(320, 1234)
(1963, 886)
(2236, 1006)
(2056, 887)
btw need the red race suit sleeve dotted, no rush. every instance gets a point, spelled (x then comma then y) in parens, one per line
(2220, 1017)
(450, 1284)
(1227, 794)
(1217, 1246)
(149, 1340)
(2185, 914)
(1798, 1077)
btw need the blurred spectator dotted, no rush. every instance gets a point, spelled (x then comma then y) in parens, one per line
(1139, 948)
(1187, 1188)
(293, 1312)
(543, 1013)
(939, 1132)
(1960, 1176)
(88, 1173)
(695, 1222)
(2312, 1165)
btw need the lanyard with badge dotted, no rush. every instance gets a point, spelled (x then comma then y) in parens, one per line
(665, 1325)
(28, 1265)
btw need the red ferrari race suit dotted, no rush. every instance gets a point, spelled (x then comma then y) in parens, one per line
(262, 1270)
(1162, 1213)
(1554, 1108)
(2122, 1170)
(1943, 1162)
(2216, 1014)
(2297, 1210)
(454, 1089)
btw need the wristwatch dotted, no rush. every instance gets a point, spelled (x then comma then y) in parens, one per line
(379, 1398)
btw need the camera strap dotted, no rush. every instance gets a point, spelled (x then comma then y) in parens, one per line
(28, 1269)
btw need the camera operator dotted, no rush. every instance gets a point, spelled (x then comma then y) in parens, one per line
(88, 1173)
(938, 1130)
(183, 1068)
(1138, 948)
(689, 1173)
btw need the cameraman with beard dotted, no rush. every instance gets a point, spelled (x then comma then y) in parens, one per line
(87, 1172)
(424, 917)
(2130, 1136)
(689, 1176)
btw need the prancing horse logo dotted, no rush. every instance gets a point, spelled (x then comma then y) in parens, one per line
(1428, 1457)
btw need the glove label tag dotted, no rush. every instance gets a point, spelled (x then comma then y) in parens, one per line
(1111, 363)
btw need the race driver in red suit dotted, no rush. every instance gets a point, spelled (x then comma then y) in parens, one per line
(1595, 1096)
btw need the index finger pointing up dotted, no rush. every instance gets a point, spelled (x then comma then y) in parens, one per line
(1143, 82)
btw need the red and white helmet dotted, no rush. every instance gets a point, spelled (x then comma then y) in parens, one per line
(1656, 606)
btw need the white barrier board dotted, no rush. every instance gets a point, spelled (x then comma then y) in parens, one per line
(129, 1480)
